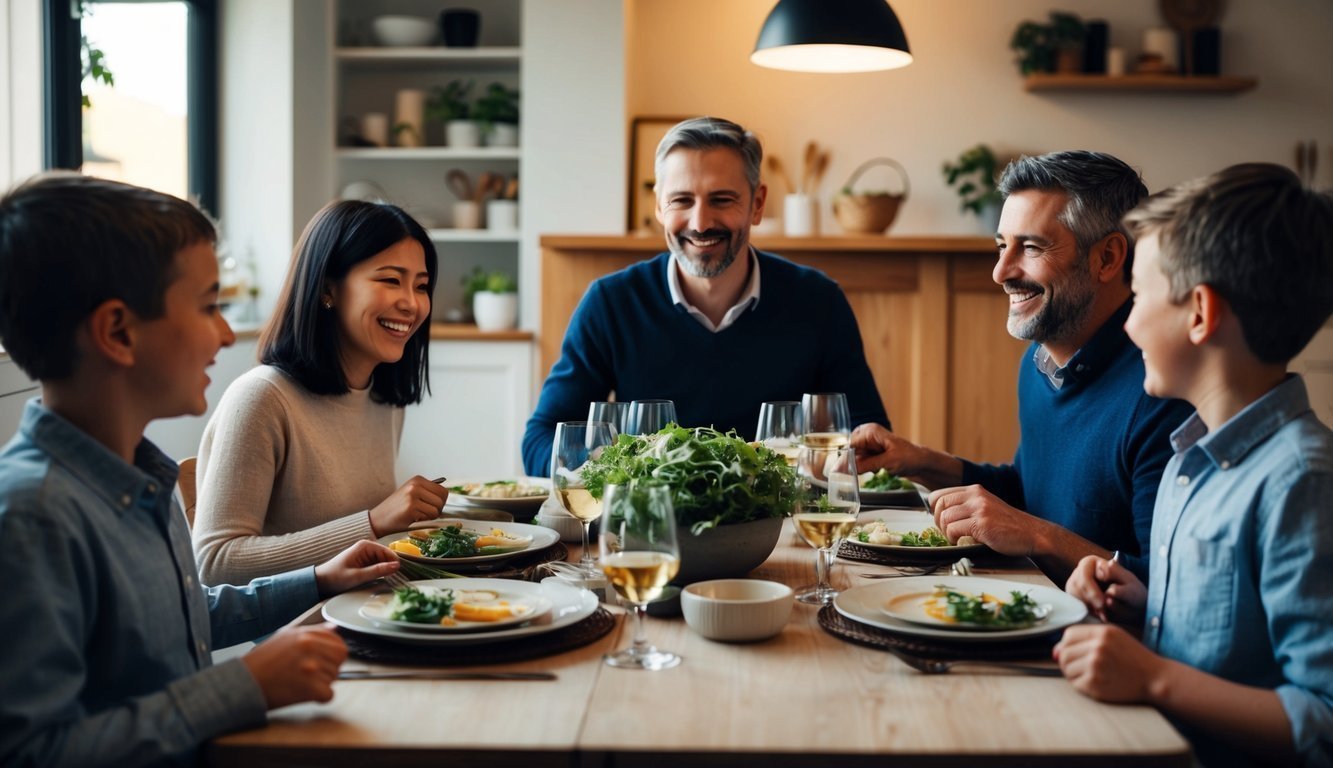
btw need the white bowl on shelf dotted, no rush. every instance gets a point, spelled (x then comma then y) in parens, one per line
(737, 610)
(403, 31)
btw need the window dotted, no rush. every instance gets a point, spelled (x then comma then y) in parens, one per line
(153, 120)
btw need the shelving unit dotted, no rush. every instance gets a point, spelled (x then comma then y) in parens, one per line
(428, 153)
(1220, 84)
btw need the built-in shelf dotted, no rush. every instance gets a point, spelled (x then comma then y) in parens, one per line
(470, 332)
(1140, 83)
(471, 236)
(428, 153)
(457, 59)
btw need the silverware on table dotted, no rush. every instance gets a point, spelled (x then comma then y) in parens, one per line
(905, 570)
(364, 674)
(939, 666)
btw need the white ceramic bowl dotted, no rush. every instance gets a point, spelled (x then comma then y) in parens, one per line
(552, 516)
(737, 610)
(403, 31)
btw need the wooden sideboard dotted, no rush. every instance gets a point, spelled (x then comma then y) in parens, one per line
(932, 321)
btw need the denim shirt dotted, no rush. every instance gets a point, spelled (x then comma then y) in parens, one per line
(108, 634)
(1242, 565)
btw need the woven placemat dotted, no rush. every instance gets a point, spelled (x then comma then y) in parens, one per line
(928, 647)
(851, 551)
(525, 567)
(385, 650)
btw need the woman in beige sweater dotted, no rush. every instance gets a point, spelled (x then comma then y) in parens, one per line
(298, 460)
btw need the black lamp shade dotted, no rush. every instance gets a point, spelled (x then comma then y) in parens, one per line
(832, 36)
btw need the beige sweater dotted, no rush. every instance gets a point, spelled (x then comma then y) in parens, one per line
(286, 477)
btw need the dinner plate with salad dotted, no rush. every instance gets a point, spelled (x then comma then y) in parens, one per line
(433, 608)
(567, 605)
(961, 608)
(916, 537)
(450, 542)
(884, 489)
(521, 497)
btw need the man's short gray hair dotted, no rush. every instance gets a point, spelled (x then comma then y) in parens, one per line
(710, 133)
(1100, 188)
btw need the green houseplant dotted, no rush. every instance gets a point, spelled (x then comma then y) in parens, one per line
(496, 109)
(1041, 47)
(493, 297)
(449, 105)
(974, 175)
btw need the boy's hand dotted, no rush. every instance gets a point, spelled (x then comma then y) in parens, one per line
(417, 499)
(1107, 664)
(297, 664)
(1111, 591)
(362, 562)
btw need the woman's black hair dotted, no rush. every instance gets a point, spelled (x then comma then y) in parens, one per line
(302, 337)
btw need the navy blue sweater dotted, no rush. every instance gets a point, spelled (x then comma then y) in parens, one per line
(628, 337)
(1091, 453)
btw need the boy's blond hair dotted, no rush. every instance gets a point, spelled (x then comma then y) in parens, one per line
(1259, 238)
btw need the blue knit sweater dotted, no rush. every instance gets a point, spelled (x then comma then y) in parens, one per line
(1092, 452)
(628, 337)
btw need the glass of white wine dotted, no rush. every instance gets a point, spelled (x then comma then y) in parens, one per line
(639, 556)
(827, 501)
(575, 443)
(779, 428)
(826, 420)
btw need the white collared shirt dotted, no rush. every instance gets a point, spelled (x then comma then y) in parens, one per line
(747, 300)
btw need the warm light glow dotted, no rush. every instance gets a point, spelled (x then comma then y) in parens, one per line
(826, 57)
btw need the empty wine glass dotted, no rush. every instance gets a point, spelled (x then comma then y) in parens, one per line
(827, 501)
(575, 443)
(780, 429)
(648, 416)
(610, 411)
(639, 556)
(826, 420)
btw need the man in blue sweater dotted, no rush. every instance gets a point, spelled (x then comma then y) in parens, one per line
(689, 325)
(1093, 444)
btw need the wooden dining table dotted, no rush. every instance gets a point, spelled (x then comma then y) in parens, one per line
(803, 698)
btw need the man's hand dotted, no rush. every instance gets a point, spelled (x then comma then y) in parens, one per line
(974, 511)
(1110, 591)
(297, 664)
(878, 448)
(362, 562)
(1107, 664)
(417, 499)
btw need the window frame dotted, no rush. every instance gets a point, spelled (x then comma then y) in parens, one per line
(63, 69)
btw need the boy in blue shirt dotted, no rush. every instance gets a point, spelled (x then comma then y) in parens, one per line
(1234, 275)
(109, 298)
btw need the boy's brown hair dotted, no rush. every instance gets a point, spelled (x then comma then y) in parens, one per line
(1263, 241)
(68, 243)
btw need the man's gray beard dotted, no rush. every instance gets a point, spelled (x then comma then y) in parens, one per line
(704, 269)
(1062, 318)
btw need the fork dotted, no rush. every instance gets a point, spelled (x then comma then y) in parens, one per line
(939, 667)
(397, 579)
(905, 570)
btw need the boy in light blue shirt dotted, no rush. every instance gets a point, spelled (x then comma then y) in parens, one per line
(1234, 275)
(109, 297)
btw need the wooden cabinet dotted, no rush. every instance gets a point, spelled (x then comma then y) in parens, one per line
(932, 322)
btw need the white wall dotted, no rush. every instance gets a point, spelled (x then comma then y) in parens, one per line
(689, 57)
(20, 90)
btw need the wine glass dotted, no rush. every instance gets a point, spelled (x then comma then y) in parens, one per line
(827, 501)
(826, 420)
(575, 443)
(648, 416)
(780, 429)
(639, 557)
(609, 411)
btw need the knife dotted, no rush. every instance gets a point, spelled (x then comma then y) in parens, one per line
(365, 674)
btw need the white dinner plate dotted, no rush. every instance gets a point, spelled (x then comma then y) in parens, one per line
(568, 605)
(901, 520)
(541, 538)
(525, 608)
(868, 604)
(518, 505)
(913, 499)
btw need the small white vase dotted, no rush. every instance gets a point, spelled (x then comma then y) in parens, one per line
(502, 135)
(462, 134)
(495, 311)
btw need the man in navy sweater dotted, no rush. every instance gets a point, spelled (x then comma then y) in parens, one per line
(1093, 444)
(689, 325)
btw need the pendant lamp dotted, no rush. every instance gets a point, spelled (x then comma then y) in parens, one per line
(832, 36)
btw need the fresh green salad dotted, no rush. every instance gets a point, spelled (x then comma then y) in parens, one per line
(421, 606)
(984, 610)
(881, 480)
(715, 478)
(877, 532)
(457, 541)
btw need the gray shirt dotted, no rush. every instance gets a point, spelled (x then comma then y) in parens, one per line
(108, 634)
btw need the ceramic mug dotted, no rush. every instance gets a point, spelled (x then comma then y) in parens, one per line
(375, 128)
(502, 215)
(467, 215)
(800, 215)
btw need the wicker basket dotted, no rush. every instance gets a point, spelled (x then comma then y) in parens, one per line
(869, 213)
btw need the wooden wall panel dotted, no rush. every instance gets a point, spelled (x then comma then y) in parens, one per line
(983, 401)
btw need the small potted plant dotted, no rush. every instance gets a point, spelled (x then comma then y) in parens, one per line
(493, 297)
(497, 111)
(973, 174)
(1067, 35)
(1048, 47)
(449, 105)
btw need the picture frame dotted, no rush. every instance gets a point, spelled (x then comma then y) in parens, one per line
(646, 133)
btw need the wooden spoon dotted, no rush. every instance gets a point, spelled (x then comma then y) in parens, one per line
(776, 167)
(808, 166)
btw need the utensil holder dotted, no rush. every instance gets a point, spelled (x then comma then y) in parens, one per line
(874, 212)
(800, 215)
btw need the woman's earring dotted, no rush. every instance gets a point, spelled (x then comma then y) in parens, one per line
(328, 303)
